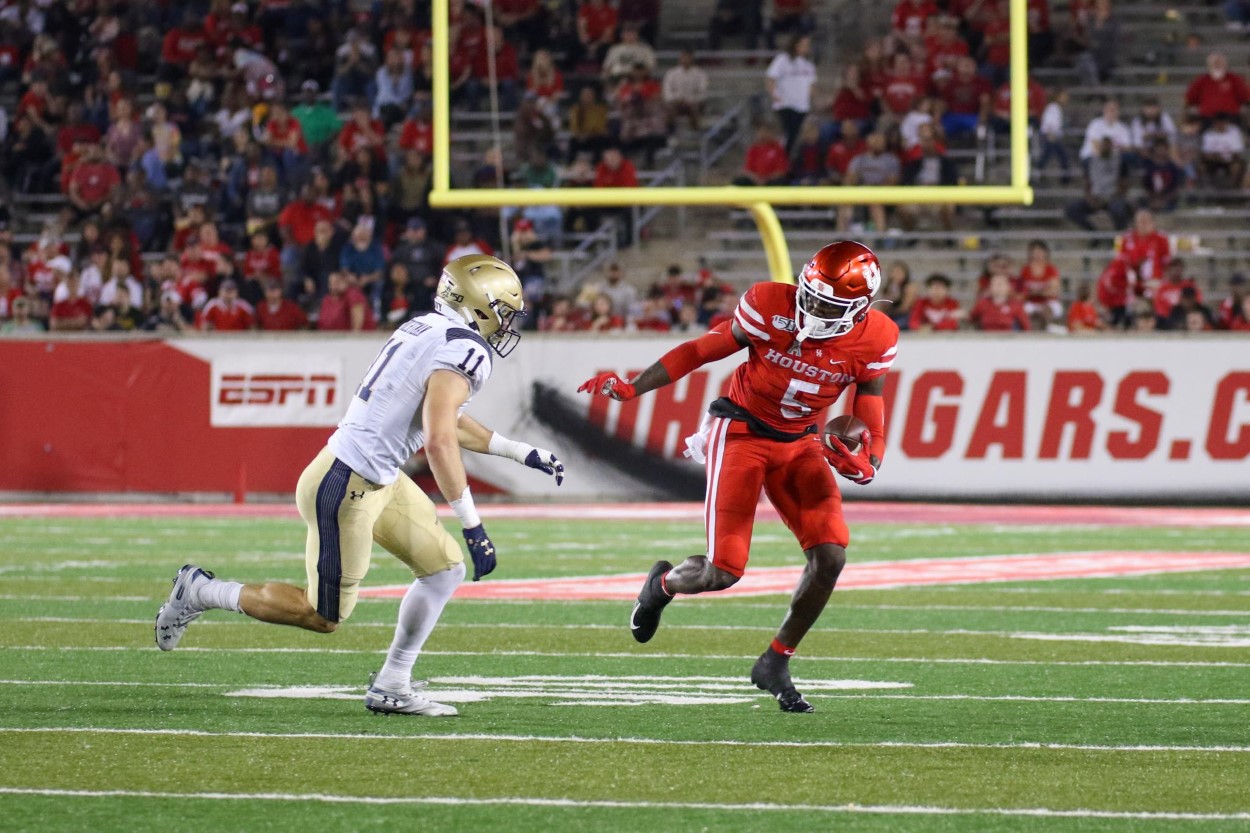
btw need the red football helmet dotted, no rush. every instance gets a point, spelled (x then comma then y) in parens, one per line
(835, 288)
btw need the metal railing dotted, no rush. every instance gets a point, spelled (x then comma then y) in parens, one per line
(674, 174)
(722, 135)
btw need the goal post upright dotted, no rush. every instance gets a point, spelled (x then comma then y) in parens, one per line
(760, 201)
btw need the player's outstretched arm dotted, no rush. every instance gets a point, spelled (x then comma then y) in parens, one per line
(444, 394)
(718, 343)
(474, 436)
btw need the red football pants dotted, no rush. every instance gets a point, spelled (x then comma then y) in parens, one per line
(794, 475)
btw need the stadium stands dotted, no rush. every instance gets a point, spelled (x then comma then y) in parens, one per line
(138, 130)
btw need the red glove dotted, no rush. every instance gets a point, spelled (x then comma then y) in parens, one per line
(858, 467)
(608, 384)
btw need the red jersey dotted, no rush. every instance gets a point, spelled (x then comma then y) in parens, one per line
(787, 385)
(1037, 100)
(1229, 313)
(626, 176)
(1148, 253)
(286, 316)
(1082, 315)
(849, 105)
(1168, 295)
(336, 311)
(994, 317)
(418, 136)
(1223, 96)
(767, 160)
(506, 66)
(95, 181)
(901, 91)
(840, 155)
(599, 20)
(72, 309)
(218, 315)
(1038, 287)
(909, 18)
(352, 138)
(280, 133)
(265, 262)
(1113, 284)
(180, 45)
(940, 317)
(301, 218)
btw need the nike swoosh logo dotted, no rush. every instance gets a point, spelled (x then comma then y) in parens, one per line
(841, 362)
(633, 626)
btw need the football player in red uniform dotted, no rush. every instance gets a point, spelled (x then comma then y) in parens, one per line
(805, 344)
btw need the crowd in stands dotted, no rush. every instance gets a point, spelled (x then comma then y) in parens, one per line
(229, 165)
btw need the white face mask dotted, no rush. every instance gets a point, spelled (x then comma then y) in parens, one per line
(822, 315)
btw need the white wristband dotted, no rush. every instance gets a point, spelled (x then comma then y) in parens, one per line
(465, 510)
(501, 446)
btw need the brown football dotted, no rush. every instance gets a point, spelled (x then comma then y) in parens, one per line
(846, 428)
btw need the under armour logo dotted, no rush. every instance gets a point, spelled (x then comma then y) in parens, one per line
(357, 495)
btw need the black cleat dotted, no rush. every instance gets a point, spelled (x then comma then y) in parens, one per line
(771, 673)
(645, 619)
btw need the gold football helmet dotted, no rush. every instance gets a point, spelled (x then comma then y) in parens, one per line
(486, 293)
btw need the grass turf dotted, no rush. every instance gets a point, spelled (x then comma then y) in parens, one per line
(1007, 697)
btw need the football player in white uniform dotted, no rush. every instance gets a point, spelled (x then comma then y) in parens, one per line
(353, 493)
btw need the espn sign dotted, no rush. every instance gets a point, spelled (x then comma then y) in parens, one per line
(277, 390)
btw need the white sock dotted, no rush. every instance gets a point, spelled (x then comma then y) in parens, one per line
(418, 613)
(220, 595)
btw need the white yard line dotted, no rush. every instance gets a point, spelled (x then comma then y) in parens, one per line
(1058, 636)
(1021, 698)
(572, 803)
(803, 658)
(636, 741)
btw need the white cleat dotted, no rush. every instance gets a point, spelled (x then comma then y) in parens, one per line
(180, 609)
(405, 701)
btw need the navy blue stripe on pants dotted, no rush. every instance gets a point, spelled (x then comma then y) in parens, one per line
(330, 496)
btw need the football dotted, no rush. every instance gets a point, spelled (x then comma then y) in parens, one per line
(847, 429)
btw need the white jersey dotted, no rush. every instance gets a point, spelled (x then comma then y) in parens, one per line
(382, 427)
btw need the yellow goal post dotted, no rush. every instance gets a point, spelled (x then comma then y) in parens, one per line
(759, 200)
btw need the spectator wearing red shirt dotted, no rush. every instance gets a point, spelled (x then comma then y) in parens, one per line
(284, 137)
(344, 308)
(854, 100)
(943, 50)
(507, 72)
(596, 31)
(298, 220)
(1039, 284)
(180, 46)
(363, 132)
(996, 43)
(1168, 293)
(766, 160)
(262, 259)
(1116, 285)
(615, 171)
(602, 317)
(276, 312)
(910, 19)
(841, 152)
(523, 21)
(227, 312)
(34, 104)
(1083, 315)
(73, 314)
(1241, 322)
(417, 134)
(967, 98)
(937, 310)
(998, 311)
(902, 87)
(1217, 92)
(1146, 249)
(93, 182)
(76, 130)
(1001, 106)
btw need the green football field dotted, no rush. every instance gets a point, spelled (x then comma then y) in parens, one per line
(1094, 704)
